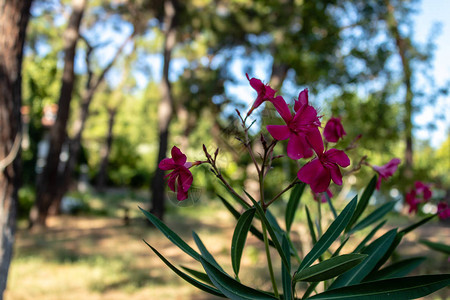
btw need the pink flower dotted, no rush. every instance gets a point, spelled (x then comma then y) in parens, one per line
(301, 129)
(443, 211)
(319, 172)
(333, 130)
(412, 201)
(180, 179)
(424, 189)
(387, 170)
(265, 92)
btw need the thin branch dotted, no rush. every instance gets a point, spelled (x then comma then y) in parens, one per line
(12, 153)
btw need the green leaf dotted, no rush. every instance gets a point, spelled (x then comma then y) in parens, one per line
(391, 249)
(310, 226)
(239, 200)
(230, 287)
(375, 252)
(374, 216)
(396, 288)
(338, 250)
(200, 275)
(420, 223)
(333, 210)
(285, 272)
(239, 237)
(368, 237)
(186, 277)
(437, 246)
(272, 234)
(329, 268)
(330, 235)
(293, 203)
(362, 204)
(205, 253)
(398, 269)
(172, 236)
(258, 234)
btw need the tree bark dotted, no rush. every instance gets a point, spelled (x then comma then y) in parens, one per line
(402, 48)
(75, 142)
(14, 16)
(165, 110)
(47, 191)
(106, 150)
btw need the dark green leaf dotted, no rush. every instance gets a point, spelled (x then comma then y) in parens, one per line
(415, 225)
(258, 234)
(374, 216)
(330, 235)
(286, 273)
(362, 204)
(172, 236)
(199, 275)
(392, 247)
(272, 234)
(338, 250)
(205, 253)
(186, 277)
(331, 205)
(437, 246)
(368, 237)
(230, 287)
(396, 288)
(398, 269)
(329, 268)
(310, 226)
(292, 205)
(374, 251)
(239, 237)
(238, 199)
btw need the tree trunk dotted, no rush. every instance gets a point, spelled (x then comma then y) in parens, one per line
(47, 191)
(402, 48)
(106, 150)
(14, 16)
(75, 142)
(165, 110)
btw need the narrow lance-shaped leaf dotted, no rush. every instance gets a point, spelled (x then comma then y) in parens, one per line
(258, 234)
(330, 235)
(368, 237)
(437, 246)
(362, 204)
(293, 203)
(285, 272)
(333, 210)
(198, 274)
(418, 224)
(186, 277)
(329, 268)
(205, 253)
(390, 289)
(172, 236)
(376, 215)
(239, 237)
(310, 226)
(398, 269)
(338, 250)
(374, 251)
(398, 238)
(272, 234)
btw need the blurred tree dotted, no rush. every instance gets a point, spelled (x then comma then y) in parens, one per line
(14, 16)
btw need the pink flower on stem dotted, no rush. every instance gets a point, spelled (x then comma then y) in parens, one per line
(387, 170)
(180, 179)
(333, 130)
(443, 211)
(424, 189)
(301, 129)
(265, 92)
(321, 170)
(412, 200)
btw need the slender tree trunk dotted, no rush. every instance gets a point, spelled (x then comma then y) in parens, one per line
(402, 48)
(106, 150)
(14, 16)
(47, 191)
(75, 142)
(165, 110)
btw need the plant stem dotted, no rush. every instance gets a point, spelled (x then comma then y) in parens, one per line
(269, 261)
(294, 182)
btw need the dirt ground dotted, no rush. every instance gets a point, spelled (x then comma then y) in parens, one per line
(80, 257)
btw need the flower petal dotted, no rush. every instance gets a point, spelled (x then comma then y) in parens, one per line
(279, 132)
(338, 157)
(282, 108)
(185, 178)
(308, 172)
(315, 140)
(167, 164)
(178, 157)
(335, 174)
(298, 147)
